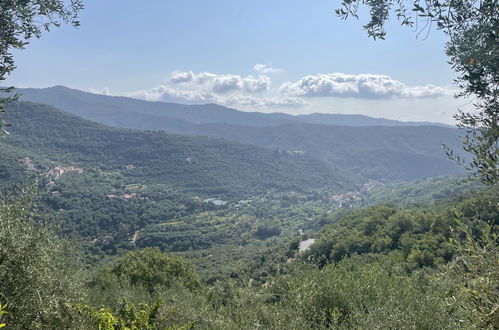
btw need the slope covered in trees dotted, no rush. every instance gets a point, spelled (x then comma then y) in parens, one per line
(201, 165)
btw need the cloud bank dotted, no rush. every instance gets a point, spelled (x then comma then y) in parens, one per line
(363, 86)
(226, 89)
(255, 91)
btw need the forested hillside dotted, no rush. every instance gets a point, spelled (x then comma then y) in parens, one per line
(200, 165)
(375, 149)
(134, 113)
(137, 213)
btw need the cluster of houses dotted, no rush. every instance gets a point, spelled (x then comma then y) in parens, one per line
(53, 173)
(56, 172)
(347, 198)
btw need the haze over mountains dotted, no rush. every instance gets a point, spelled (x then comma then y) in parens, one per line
(369, 148)
(134, 113)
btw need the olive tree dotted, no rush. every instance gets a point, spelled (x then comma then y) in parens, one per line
(20, 21)
(472, 28)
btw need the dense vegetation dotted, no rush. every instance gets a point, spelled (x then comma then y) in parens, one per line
(386, 154)
(421, 234)
(420, 192)
(379, 267)
(39, 274)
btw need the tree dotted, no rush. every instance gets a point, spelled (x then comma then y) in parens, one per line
(472, 28)
(21, 20)
(152, 269)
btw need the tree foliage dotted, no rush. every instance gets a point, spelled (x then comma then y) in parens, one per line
(362, 292)
(38, 272)
(472, 28)
(131, 317)
(20, 21)
(475, 272)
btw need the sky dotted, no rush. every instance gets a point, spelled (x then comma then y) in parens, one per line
(271, 56)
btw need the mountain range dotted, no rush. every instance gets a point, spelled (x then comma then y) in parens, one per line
(133, 113)
(363, 147)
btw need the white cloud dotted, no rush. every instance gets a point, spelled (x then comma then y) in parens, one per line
(220, 83)
(364, 86)
(226, 83)
(168, 94)
(284, 102)
(265, 69)
(220, 95)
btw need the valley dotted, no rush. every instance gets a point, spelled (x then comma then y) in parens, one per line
(247, 165)
(245, 206)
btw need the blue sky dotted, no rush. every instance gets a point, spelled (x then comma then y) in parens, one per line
(288, 56)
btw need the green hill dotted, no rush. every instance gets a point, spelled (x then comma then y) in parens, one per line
(196, 164)
(374, 152)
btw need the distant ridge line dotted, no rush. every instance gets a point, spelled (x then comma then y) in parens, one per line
(84, 104)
